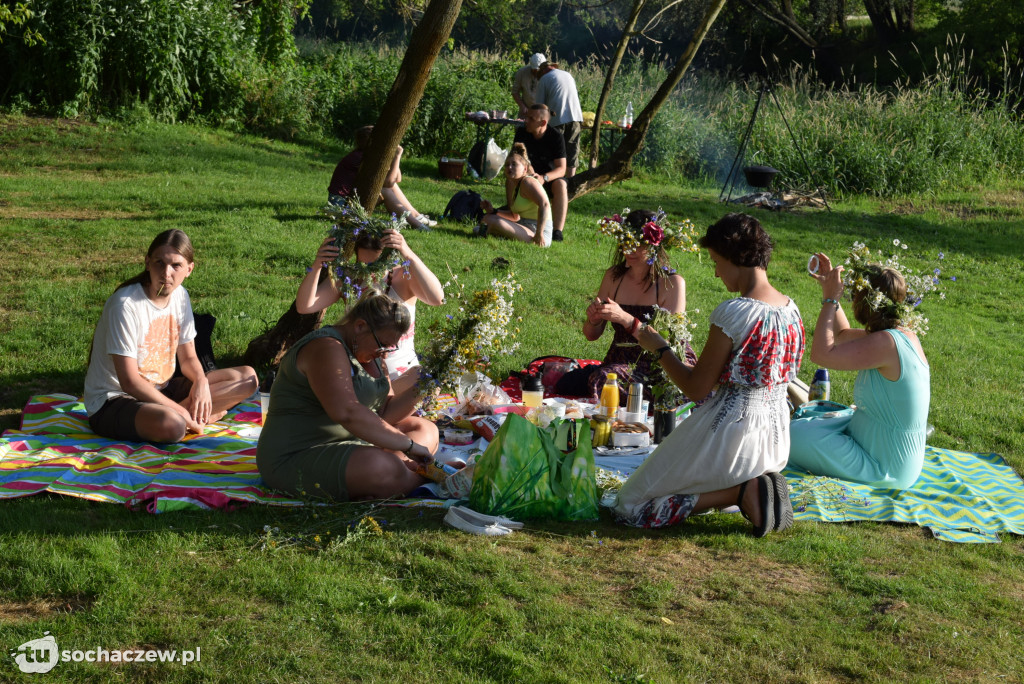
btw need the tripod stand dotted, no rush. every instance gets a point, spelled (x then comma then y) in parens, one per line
(730, 180)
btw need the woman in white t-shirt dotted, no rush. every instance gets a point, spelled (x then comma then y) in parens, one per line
(147, 324)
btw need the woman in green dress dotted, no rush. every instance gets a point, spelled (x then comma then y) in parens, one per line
(334, 428)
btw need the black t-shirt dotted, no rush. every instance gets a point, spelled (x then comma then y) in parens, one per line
(543, 152)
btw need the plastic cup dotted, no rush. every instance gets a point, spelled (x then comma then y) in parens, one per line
(264, 406)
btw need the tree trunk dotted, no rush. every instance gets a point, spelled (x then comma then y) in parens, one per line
(620, 165)
(424, 45)
(429, 36)
(627, 33)
(271, 346)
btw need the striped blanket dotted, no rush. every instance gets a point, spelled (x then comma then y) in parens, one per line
(55, 451)
(960, 496)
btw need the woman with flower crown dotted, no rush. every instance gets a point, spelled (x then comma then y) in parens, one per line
(730, 451)
(372, 253)
(882, 444)
(640, 281)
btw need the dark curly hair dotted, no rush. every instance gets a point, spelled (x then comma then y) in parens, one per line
(661, 267)
(740, 239)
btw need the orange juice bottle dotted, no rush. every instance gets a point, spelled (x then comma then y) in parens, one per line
(610, 396)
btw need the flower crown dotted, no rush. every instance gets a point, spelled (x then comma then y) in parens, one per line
(350, 222)
(655, 233)
(859, 267)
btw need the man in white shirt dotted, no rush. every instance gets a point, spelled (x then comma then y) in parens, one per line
(524, 85)
(147, 324)
(557, 90)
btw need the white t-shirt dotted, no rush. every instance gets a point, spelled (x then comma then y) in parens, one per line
(557, 90)
(133, 326)
(526, 83)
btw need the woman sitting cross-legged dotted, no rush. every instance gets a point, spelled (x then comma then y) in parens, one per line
(528, 214)
(883, 443)
(731, 449)
(147, 325)
(334, 429)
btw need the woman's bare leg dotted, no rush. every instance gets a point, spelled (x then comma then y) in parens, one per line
(502, 227)
(374, 473)
(397, 203)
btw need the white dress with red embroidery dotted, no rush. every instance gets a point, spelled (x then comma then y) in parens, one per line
(739, 434)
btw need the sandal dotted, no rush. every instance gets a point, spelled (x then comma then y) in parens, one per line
(783, 507)
(767, 492)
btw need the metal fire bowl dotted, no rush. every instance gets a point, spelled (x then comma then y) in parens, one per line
(760, 176)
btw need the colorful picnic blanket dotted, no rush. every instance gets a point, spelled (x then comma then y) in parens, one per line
(55, 451)
(960, 496)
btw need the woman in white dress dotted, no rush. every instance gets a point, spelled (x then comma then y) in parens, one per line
(732, 447)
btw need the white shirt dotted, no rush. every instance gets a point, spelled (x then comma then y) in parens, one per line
(557, 90)
(133, 326)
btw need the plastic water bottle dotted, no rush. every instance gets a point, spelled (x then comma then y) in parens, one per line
(820, 388)
(629, 114)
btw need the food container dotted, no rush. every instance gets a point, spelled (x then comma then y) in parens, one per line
(458, 436)
(451, 168)
(631, 439)
(533, 391)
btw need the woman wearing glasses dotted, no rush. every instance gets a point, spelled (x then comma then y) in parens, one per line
(335, 429)
(407, 284)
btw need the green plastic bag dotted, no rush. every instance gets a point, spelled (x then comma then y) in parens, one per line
(524, 475)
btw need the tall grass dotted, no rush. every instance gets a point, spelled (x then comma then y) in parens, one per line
(177, 60)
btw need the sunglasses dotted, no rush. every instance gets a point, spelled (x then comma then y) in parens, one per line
(381, 349)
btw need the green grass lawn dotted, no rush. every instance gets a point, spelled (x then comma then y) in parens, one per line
(315, 600)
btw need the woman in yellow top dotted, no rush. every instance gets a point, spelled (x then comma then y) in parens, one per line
(527, 216)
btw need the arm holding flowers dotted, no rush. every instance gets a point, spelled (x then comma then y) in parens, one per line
(316, 294)
(698, 380)
(420, 282)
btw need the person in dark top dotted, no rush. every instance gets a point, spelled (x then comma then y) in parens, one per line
(546, 150)
(638, 283)
(343, 181)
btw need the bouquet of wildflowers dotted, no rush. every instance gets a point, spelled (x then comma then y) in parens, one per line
(677, 329)
(467, 340)
(859, 264)
(350, 220)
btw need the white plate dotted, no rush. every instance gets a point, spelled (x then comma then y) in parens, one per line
(250, 432)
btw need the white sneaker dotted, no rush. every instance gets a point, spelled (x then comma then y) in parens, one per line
(484, 519)
(456, 520)
(425, 221)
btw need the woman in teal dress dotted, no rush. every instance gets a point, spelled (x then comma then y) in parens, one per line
(882, 444)
(334, 428)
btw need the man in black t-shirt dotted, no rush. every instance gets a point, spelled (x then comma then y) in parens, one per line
(546, 149)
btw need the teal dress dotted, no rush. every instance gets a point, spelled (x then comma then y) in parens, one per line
(301, 450)
(882, 444)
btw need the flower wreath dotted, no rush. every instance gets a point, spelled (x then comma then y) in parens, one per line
(857, 272)
(657, 232)
(350, 221)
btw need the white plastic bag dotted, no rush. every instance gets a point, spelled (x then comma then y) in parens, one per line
(494, 159)
(476, 394)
